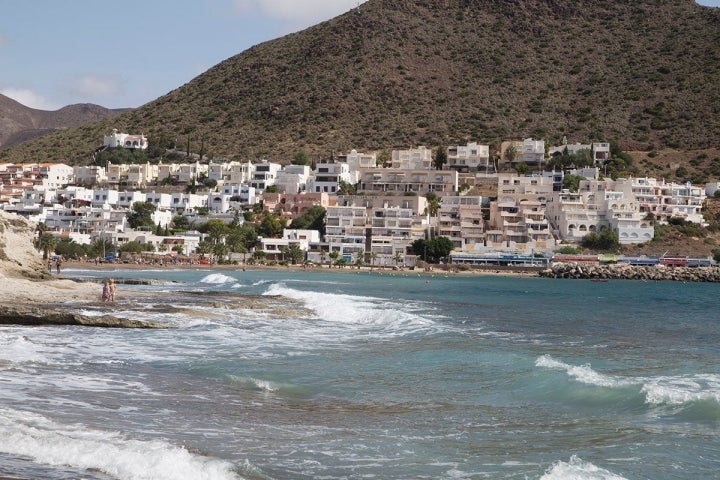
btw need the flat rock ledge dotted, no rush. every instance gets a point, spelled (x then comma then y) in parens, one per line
(41, 316)
(630, 272)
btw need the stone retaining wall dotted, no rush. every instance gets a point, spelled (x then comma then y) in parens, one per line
(629, 272)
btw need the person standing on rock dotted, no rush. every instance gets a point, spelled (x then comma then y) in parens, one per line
(106, 290)
(113, 288)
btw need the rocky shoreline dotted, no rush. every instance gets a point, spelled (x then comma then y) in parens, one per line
(630, 272)
(46, 315)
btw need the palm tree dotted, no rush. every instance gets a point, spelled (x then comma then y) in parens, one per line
(323, 256)
(47, 243)
(373, 257)
(360, 258)
(398, 257)
(334, 255)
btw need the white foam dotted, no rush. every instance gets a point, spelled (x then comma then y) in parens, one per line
(584, 373)
(218, 279)
(681, 390)
(577, 469)
(51, 443)
(357, 311)
(20, 349)
(663, 390)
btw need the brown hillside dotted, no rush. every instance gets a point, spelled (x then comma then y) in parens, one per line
(19, 123)
(434, 72)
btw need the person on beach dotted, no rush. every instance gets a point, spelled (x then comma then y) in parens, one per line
(58, 263)
(106, 291)
(113, 288)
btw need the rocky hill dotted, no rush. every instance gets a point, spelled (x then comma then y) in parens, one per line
(434, 72)
(19, 123)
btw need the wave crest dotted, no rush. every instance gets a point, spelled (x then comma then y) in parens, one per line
(51, 443)
(578, 469)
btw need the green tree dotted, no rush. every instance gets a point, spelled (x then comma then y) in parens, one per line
(360, 258)
(140, 215)
(323, 256)
(572, 182)
(69, 248)
(384, 158)
(191, 187)
(271, 226)
(605, 239)
(46, 243)
(511, 153)
(521, 168)
(312, 219)
(210, 183)
(204, 247)
(432, 250)
(334, 256)
(373, 257)
(398, 257)
(294, 253)
(133, 247)
(433, 203)
(346, 188)
(301, 158)
(440, 157)
(215, 229)
(180, 222)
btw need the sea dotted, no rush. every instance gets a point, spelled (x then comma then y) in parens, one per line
(323, 374)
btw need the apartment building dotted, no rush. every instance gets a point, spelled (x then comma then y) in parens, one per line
(327, 177)
(293, 179)
(264, 175)
(419, 158)
(400, 181)
(668, 200)
(293, 205)
(460, 218)
(469, 158)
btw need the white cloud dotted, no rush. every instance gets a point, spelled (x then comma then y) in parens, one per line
(30, 99)
(301, 13)
(91, 87)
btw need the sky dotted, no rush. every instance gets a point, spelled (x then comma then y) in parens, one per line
(127, 53)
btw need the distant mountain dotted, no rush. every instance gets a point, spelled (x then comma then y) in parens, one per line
(436, 72)
(19, 123)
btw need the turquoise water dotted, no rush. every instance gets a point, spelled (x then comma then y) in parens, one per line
(326, 375)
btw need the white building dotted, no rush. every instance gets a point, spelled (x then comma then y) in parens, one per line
(56, 175)
(327, 177)
(162, 201)
(528, 151)
(419, 158)
(117, 139)
(357, 160)
(399, 181)
(599, 151)
(240, 193)
(274, 247)
(90, 175)
(126, 199)
(264, 175)
(460, 219)
(105, 198)
(469, 158)
(600, 204)
(131, 175)
(669, 200)
(293, 179)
